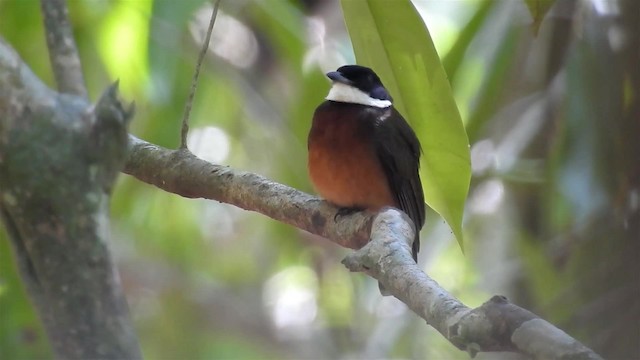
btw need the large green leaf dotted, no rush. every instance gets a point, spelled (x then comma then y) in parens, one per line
(395, 42)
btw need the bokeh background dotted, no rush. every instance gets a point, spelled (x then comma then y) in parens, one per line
(551, 104)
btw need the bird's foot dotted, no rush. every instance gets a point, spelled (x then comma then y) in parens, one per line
(346, 211)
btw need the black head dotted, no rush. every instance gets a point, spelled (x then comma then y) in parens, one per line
(363, 78)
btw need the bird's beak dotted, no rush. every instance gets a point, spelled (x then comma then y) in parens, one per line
(336, 76)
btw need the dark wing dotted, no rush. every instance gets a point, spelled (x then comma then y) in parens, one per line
(399, 150)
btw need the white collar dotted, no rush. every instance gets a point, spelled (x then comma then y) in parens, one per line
(348, 94)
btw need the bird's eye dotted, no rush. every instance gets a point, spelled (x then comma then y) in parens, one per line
(380, 92)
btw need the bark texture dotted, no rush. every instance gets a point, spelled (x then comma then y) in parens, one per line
(59, 157)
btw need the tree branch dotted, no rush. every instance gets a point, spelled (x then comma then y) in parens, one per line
(497, 325)
(59, 157)
(63, 53)
(180, 172)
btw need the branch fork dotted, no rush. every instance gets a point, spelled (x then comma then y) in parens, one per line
(389, 245)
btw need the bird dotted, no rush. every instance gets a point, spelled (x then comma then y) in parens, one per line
(362, 154)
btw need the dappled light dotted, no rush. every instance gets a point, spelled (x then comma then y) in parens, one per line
(551, 110)
(232, 40)
(487, 196)
(122, 34)
(291, 296)
(209, 143)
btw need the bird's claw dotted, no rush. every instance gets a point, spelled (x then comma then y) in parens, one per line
(346, 211)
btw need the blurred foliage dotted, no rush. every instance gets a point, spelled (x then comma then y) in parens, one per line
(538, 9)
(552, 116)
(21, 334)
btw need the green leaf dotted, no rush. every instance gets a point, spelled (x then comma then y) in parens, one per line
(397, 44)
(538, 8)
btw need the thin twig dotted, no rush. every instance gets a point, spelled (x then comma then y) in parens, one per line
(63, 53)
(194, 81)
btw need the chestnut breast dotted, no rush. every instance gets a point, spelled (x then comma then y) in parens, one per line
(343, 164)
